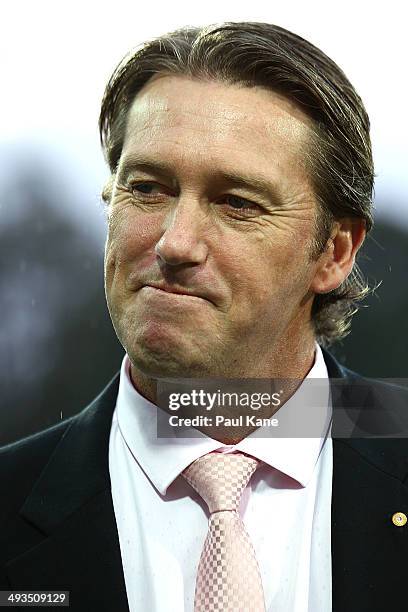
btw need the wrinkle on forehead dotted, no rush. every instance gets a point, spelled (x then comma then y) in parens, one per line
(232, 123)
(232, 106)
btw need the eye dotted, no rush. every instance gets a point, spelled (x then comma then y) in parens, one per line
(147, 189)
(240, 205)
(237, 202)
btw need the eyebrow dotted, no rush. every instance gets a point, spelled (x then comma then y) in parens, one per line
(253, 183)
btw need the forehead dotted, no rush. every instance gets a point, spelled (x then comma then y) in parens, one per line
(212, 120)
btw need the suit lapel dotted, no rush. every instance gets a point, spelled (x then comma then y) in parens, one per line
(368, 550)
(70, 512)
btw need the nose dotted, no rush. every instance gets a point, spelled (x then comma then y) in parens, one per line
(182, 241)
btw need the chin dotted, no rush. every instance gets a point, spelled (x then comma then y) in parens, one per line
(158, 365)
(171, 360)
(159, 349)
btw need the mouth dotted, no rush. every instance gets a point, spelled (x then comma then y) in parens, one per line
(175, 290)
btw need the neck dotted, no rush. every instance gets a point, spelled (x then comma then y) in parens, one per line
(291, 364)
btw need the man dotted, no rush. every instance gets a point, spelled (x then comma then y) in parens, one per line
(240, 194)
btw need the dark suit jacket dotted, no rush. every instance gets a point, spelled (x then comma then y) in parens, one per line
(58, 530)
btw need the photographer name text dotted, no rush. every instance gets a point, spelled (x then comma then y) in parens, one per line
(219, 420)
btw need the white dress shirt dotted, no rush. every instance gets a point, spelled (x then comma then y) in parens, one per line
(162, 523)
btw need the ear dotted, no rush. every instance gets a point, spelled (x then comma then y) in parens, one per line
(336, 263)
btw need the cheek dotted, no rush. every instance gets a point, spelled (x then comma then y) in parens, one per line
(130, 235)
(262, 269)
(130, 243)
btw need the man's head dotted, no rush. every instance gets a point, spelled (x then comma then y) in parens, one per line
(241, 173)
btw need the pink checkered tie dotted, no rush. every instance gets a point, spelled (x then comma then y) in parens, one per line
(228, 578)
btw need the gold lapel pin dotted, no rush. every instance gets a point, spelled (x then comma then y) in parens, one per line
(399, 519)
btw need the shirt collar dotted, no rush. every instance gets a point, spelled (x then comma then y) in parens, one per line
(163, 459)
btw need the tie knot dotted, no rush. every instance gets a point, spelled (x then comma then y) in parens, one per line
(220, 478)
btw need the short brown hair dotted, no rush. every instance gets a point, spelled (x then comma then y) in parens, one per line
(261, 54)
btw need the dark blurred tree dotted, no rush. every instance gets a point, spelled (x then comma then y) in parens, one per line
(57, 345)
(378, 343)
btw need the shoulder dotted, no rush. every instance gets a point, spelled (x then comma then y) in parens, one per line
(67, 447)
(370, 417)
(22, 462)
(380, 390)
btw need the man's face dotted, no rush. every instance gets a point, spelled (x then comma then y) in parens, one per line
(211, 198)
